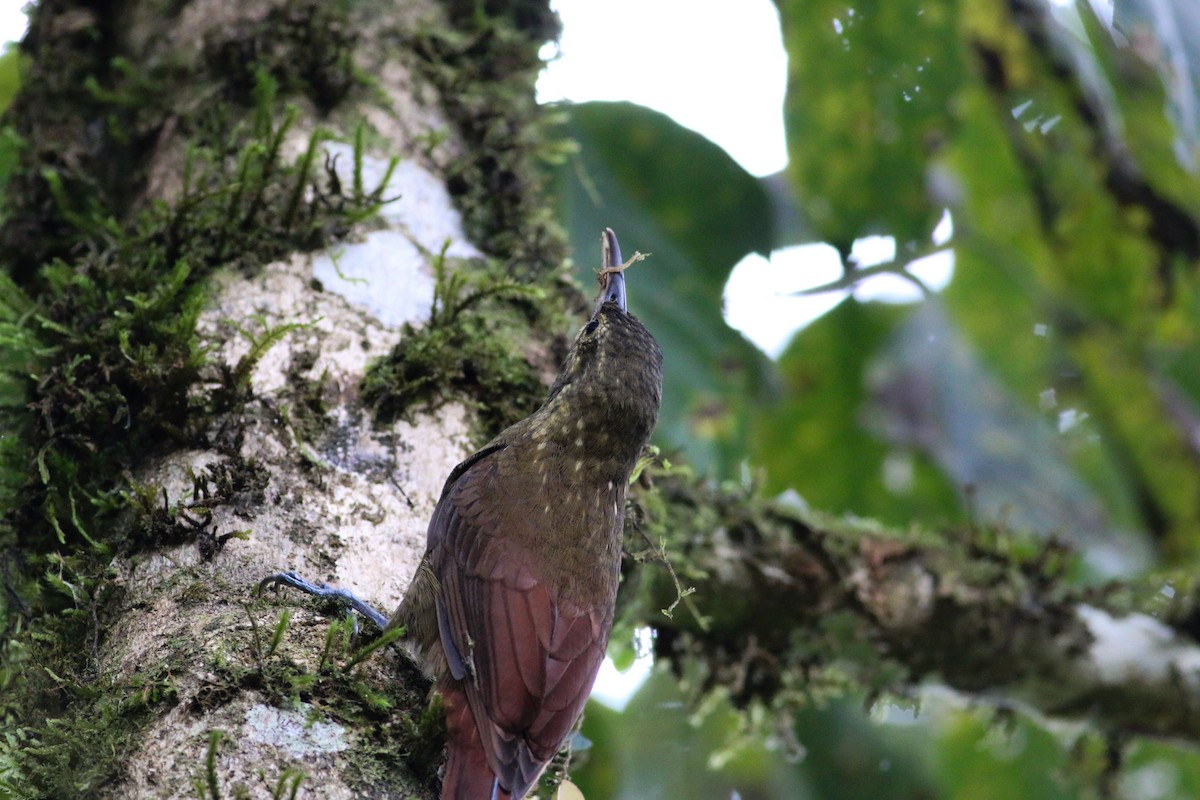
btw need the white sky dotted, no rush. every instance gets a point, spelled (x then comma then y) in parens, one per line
(12, 20)
(720, 73)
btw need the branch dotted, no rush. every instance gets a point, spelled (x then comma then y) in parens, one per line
(784, 595)
(854, 275)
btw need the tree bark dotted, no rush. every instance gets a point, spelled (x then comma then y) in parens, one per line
(782, 595)
(181, 681)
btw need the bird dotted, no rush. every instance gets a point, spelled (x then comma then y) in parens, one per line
(511, 607)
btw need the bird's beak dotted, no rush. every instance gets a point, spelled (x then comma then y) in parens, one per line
(614, 282)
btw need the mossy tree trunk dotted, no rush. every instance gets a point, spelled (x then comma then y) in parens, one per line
(221, 216)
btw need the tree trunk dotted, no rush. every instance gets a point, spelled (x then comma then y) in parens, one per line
(250, 200)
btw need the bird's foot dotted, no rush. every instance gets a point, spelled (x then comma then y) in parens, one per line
(343, 597)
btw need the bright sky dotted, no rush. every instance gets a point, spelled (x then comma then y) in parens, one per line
(12, 21)
(716, 67)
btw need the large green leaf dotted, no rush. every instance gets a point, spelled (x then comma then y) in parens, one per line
(816, 439)
(670, 192)
(868, 86)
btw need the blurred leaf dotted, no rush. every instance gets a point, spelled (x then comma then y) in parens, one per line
(10, 141)
(1059, 229)
(814, 438)
(1130, 89)
(848, 756)
(1000, 299)
(1160, 770)
(10, 75)
(989, 304)
(930, 392)
(1167, 34)
(979, 758)
(670, 192)
(868, 88)
(657, 749)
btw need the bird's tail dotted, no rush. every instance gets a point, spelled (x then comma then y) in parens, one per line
(467, 776)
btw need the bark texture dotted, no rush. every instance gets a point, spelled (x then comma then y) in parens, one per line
(322, 121)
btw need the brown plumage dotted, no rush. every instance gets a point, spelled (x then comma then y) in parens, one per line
(512, 606)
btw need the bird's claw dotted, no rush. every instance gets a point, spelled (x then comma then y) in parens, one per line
(343, 597)
(289, 578)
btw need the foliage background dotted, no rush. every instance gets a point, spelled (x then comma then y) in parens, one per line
(1049, 392)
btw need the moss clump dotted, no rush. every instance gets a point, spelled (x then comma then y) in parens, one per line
(392, 748)
(304, 45)
(469, 350)
(96, 107)
(108, 354)
(237, 483)
(484, 66)
(65, 746)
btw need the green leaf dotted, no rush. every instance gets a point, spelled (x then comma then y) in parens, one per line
(660, 748)
(849, 756)
(868, 89)
(10, 75)
(978, 757)
(669, 192)
(815, 439)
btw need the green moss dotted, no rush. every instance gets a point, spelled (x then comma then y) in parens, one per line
(236, 482)
(305, 46)
(107, 355)
(100, 364)
(476, 346)
(392, 747)
(470, 349)
(71, 733)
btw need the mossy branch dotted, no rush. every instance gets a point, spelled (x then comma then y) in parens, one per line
(790, 597)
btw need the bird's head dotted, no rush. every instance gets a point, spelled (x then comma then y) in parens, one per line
(612, 378)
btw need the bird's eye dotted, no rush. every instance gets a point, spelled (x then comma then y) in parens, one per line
(591, 326)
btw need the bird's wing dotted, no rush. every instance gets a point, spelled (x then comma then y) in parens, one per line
(526, 658)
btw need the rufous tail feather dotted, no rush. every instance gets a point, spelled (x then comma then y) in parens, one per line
(467, 776)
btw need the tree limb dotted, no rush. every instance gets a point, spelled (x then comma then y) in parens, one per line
(785, 594)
